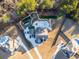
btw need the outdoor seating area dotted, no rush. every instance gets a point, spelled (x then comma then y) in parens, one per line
(37, 31)
(27, 21)
(11, 42)
(9, 45)
(60, 55)
(67, 50)
(6, 43)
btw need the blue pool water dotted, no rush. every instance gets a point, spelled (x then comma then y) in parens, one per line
(3, 40)
(77, 41)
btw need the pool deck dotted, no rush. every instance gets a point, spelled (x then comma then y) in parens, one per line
(45, 50)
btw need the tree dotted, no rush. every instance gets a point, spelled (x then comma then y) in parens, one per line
(31, 5)
(71, 8)
(25, 5)
(5, 18)
(46, 4)
(69, 5)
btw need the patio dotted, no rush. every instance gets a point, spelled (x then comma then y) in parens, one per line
(44, 49)
(10, 42)
(35, 29)
(38, 32)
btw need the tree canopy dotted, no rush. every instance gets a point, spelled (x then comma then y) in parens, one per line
(5, 18)
(70, 7)
(26, 5)
(46, 4)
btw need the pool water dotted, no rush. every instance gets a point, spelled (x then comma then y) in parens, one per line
(3, 40)
(77, 41)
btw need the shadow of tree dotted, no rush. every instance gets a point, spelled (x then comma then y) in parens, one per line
(76, 30)
(4, 55)
(71, 27)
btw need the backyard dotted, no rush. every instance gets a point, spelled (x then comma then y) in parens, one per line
(39, 29)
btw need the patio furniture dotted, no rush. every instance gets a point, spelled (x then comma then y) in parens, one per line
(39, 41)
(37, 32)
(70, 49)
(41, 38)
(60, 55)
(34, 36)
(14, 44)
(42, 35)
(4, 43)
(29, 36)
(26, 22)
(45, 37)
(75, 43)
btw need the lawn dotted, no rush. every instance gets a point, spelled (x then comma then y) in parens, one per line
(1, 57)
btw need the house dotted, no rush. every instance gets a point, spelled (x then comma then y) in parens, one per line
(35, 29)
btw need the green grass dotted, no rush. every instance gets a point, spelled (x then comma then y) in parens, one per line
(1, 57)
